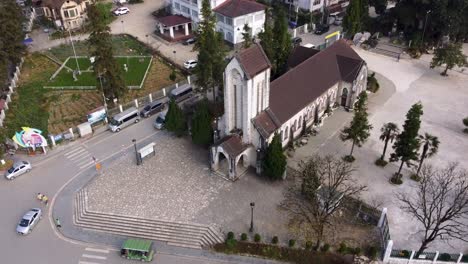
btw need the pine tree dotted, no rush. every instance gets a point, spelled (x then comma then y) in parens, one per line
(105, 66)
(282, 41)
(274, 162)
(356, 16)
(359, 129)
(211, 52)
(202, 129)
(450, 55)
(407, 143)
(175, 119)
(11, 31)
(266, 39)
(247, 36)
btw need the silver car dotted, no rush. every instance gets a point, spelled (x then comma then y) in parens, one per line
(17, 169)
(28, 221)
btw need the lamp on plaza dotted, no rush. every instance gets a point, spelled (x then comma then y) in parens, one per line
(147, 40)
(174, 55)
(252, 205)
(136, 152)
(123, 26)
(425, 24)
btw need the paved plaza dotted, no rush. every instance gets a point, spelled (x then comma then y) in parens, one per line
(402, 84)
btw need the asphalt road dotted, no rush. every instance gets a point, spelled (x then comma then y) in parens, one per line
(48, 175)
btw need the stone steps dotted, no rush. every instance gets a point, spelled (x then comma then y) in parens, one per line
(174, 233)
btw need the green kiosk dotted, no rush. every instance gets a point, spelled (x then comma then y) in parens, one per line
(137, 249)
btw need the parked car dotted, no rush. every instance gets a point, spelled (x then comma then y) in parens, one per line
(160, 120)
(119, 2)
(17, 169)
(322, 28)
(190, 64)
(154, 107)
(296, 40)
(189, 41)
(29, 221)
(121, 11)
(338, 21)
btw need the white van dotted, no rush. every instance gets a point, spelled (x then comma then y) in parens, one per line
(181, 93)
(126, 118)
(160, 120)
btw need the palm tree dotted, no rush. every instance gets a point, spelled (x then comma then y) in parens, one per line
(430, 145)
(389, 132)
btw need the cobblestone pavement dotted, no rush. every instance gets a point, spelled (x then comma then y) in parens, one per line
(173, 185)
(177, 185)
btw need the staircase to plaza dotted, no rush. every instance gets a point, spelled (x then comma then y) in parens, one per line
(189, 235)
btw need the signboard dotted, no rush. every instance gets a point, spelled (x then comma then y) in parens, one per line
(146, 150)
(97, 115)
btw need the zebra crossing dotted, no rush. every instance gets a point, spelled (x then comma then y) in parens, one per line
(80, 156)
(93, 256)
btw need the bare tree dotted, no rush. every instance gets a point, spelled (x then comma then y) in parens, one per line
(317, 191)
(440, 204)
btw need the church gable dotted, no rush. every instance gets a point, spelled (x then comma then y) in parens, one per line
(253, 60)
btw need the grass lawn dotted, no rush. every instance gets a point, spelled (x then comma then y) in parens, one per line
(133, 77)
(122, 44)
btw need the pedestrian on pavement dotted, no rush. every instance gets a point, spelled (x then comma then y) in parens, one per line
(45, 199)
(39, 196)
(57, 223)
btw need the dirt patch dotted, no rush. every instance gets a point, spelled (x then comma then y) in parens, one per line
(69, 108)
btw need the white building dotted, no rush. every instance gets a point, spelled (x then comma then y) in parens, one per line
(191, 8)
(232, 15)
(255, 109)
(319, 5)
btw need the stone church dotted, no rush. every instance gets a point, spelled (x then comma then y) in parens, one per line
(255, 108)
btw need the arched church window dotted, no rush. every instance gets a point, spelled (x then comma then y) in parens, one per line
(300, 122)
(286, 133)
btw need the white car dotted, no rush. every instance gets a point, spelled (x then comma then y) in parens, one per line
(17, 169)
(190, 64)
(28, 221)
(121, 11)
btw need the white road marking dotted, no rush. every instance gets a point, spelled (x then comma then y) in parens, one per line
(93, 256)
(77, 149)
(79, 156)
(76, 153)
(87, 164)
(97, 250)
(87, 262)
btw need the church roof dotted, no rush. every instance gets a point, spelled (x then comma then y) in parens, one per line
(236, 8)
(300, 54)
(300, 86)
(265, 124)
(232, 145)
(253, 60)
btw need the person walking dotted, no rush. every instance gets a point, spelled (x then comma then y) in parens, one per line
(45, 199)
(57, 223)
(39, 196)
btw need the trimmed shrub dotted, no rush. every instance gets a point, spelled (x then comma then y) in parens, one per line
(343, 248)
(308, 245)
(465, 121)
(274, 240)
(415, 177)
(243, 236)
(349, 158)
(357, 251)
(292, 242)
(373, 251)
(325, 248)
(444, 257)
(257, 238)
(230, 235)
(231, 243)
(380, 162)
(396, 180)
(405, 253)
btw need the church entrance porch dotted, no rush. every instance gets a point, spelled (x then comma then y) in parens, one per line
(229, 157)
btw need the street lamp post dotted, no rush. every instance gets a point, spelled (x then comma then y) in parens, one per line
(252, 205)
(136, 152)
(174, 56)
(123, 26)
(147, 40)
(425, 24)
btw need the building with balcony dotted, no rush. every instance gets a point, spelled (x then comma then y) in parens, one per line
(66, 14)
(232, 15)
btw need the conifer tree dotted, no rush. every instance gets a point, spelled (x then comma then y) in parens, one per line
(11, 31)
(211, 52)
(247, 36)
(202, 129)
(175, 119)
(274, 162)
(359, 129)
(105, 65)
(407, 143)
(282, 41)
